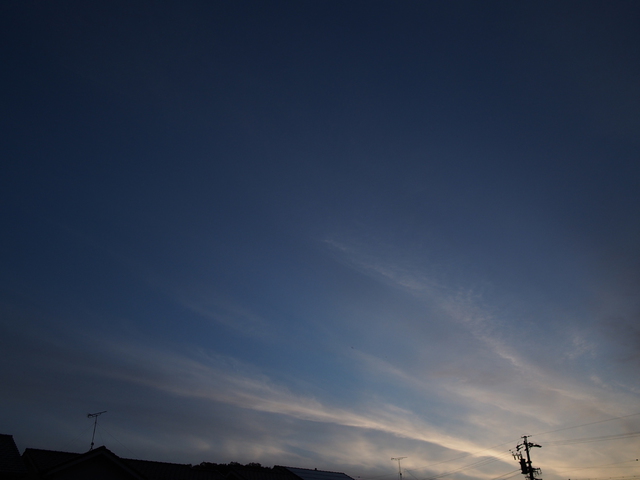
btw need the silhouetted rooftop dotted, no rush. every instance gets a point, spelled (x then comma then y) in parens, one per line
(42, 461)
(260, 473)
(308, 474)
(10, 460)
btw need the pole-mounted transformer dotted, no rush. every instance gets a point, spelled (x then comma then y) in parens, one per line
(525, 463)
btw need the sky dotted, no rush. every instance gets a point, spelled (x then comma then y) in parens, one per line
(324, 234)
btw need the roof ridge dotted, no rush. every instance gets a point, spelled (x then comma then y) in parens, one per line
(54, 451)
(157, 461)
(312, 469)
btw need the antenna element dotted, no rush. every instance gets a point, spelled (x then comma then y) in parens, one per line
(95, 424)
(399, 468)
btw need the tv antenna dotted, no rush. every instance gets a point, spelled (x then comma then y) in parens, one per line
(95, 424)
(399, 468)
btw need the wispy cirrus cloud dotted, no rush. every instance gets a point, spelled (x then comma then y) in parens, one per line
(543, 372)
(212, 380)
(226, 380)
(207, 377)
(211, 304)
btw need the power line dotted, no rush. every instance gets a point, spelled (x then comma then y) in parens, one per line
(411, 473)
(122, 444)
(600, 438)
(602, 466)
(508, 475)
(477, 464)
(76, 439)
(512, 475)
(481, 463)
(587, 424)
(463, 456)
(608, 478)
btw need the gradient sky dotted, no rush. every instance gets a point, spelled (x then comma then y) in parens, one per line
(324, 234)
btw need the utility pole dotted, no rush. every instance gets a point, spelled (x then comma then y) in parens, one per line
(525, 464)
(399, 468)
(95, 424)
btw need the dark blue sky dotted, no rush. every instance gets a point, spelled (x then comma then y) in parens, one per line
(321, 234)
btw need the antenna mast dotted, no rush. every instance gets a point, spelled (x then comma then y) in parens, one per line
(399, 468)
(95, 424)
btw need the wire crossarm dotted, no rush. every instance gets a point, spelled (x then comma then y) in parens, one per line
(399, 468)
(527, 469)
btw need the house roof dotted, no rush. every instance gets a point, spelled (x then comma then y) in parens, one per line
(259, 473)
(308, 474)
(104, 456)
(43, 463)
(49, 461)
(10, 460)
(172, 471)
(42, 460)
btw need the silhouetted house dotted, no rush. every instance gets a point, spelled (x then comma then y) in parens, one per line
(102, 464)
(254, 472)
(11, 465)
(308, 474)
